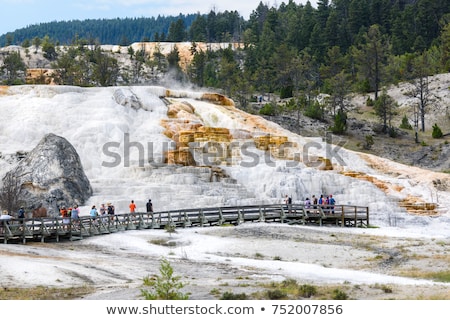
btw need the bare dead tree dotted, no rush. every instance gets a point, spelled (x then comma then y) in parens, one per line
(10, 192)
(420, 89)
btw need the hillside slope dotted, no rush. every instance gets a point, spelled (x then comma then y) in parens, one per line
(191, 149)
(429, 153)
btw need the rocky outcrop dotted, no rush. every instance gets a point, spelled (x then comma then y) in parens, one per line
(127, 98)
(40, 76)
(51, 175)
(197, 144)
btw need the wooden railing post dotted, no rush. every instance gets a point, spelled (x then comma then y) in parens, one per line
(367, 216)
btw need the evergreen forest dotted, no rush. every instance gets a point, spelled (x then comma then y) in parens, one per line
(292, 50)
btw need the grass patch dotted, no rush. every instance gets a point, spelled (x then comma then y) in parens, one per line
(44, 293)
(307, 290)
(442, 276)
(215, 292)
(439, 276)
(278, 258)
(384, 287)
(339, 294)
(291, 289)
(163, 242)
(259, 255)
(233, 296)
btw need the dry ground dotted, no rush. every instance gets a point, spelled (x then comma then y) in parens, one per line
(252, 259)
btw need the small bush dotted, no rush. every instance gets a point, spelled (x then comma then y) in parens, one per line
(277, 258)
(233, 296)
(314, 111)
(405, 124)
(369, 142)
(363, 86)
(289, 283)
(339, 295)
(259, 255)
(286, 92)
(437, 132)
(170, 228)
(276, 294)
(392, 132)
(386, 289)
(166, 286)
(269, 109)
(340, 123)
(215, 292)
(307, 290)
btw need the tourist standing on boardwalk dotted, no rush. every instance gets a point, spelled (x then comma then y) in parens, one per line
(321, 200)
(102, 209)
(75, 215)
(111, 210)
(314, 201)
(93, 213)
(332, 202)
(65, 217)
(75, 212)
(149, 206)
(103, 212)
(288, 201)
(21, 213)
(132, 207)
(4, 219)
(21, 216)
(307, 204)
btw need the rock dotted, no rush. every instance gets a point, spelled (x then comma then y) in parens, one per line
(127, 98)
(51, 175)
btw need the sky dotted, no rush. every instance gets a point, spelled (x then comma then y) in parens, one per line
(18, 14)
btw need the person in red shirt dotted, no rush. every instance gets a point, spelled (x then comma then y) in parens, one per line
(132, 206)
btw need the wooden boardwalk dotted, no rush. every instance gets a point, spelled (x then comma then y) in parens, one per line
(57, 229)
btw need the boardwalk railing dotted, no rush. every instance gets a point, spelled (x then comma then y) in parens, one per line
(58, 228)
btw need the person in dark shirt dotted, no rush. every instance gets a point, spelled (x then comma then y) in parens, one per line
(149, 206)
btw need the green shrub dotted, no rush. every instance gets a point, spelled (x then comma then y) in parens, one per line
(405, 124)
(166, 286)
(369, 142)
(269, 109)
(233, 296)
(276, 294)
(363, 86)
(314, 111)
(286, 92)
(392, 132)
(386, 289)
(307, 290)
(437, 132)
(340, 123)
(339, 295)
(289, 283)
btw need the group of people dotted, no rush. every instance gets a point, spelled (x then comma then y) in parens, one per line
(74, 212)
(326, 203)
(148, 206)
(104, 210)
